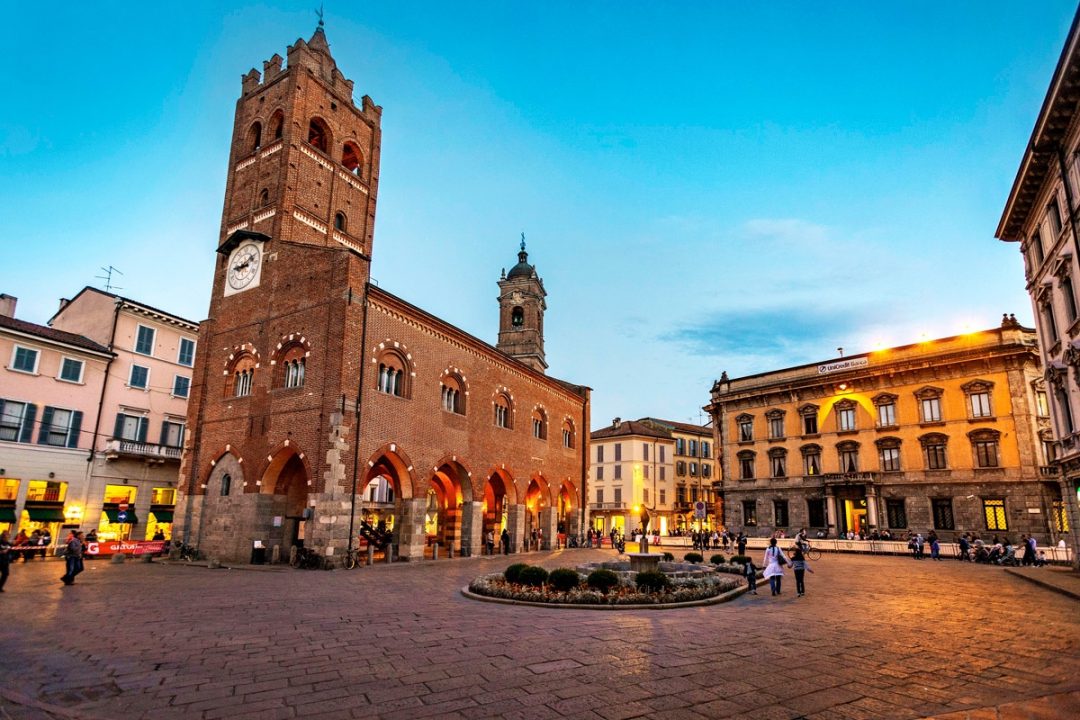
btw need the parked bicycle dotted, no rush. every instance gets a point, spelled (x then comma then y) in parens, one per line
(187, 552)
(307, 559)
(353, 558)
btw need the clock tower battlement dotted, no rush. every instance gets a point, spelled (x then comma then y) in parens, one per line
(304, 162)
(521, 313)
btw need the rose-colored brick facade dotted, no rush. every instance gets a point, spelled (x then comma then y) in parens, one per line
(280, 461)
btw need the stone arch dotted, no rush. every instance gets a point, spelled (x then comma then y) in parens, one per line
(448, 489)
(288, 362)
(395, 368)
(567, 504)
(392, 462)
(224, 460)
(537, 500)
(499, 494)
(283, 491)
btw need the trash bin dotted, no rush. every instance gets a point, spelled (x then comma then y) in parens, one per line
(258, 553)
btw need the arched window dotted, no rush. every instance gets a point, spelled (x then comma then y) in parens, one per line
(340, 222)
(849, 456)
(777, 462)
(241, 376)
(294, 366)
(811, 459)
(539, 424)
(277, 124)
(352, 159)
(393, 374)
(318, 134)
(226, 484)
(503, 411)
(568, 434)
(452, 391)
(254, 138)
(517, 316)
(264, 198)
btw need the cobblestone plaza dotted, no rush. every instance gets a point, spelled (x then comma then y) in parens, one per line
(876, 637)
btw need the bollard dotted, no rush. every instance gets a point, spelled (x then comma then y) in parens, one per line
(435, 551)
(449, 552)
(370, 554)
(389, 553)
(118, 559)
(147, 558)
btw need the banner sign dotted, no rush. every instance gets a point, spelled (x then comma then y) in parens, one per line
(849, 364)
(135, 547)
(699, 510)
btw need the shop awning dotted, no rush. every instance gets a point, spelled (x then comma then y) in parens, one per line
(45, 514)
(162, 516)
(122, 516)
(7, 514)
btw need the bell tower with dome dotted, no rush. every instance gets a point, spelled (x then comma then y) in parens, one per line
(521, 313)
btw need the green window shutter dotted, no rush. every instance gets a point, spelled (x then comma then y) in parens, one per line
(119, 427)
(144, 425)
(46, 423)
(164, 433)
(76, 426)
(27, 434)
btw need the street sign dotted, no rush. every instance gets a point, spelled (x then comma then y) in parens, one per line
(699, 510)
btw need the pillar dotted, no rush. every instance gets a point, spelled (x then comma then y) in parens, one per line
(830, 510)
(872, 508)
(549, 525)
(472, 528)
(515, 521)
(573, 522)
(409, 530)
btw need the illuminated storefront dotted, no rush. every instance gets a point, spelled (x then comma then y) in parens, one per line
(162, 506)
(9, 491)
(44, 508)
(118, 516)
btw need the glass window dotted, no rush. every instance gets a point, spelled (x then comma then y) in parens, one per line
(746, 430)
(895, 513)
(994, 512)
(663, 454)
(172, 434)
(618, 472)
(1061, 516)
(181, 386)
(704, 449)
(599, 453)
(810, 424)
(55, 426)
(140, 377)
(778, 466)
(986, 453)
(24, 360)
(812, 463)
(886, 415)
(11, 420)
(936, 458)
(846, 418)
(680, 446)
(749, 513)
(600, 472)
(71, 370)
(130, 427)
(746, 467)
(931, 409)
(144, 340)
(980, 404)
(815, 509)
(663, 495)
(645, 451)
(890, 459)
(618, 495)
(849, 460)
(163, 496)
(780, 511)
(1042, 404)
(693, 448)
(776, 427)
(46, 491)
(600, 496)
(1070, 298)
(119, 494)
(693, 469)
(943, 514)
(618, 452)
(186, 356)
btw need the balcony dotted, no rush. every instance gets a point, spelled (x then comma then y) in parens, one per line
(147, 451)
(608, 506)
(1049, 471)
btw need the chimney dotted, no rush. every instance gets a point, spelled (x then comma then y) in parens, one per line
(63, 304)
(616, 423)
(7, 305)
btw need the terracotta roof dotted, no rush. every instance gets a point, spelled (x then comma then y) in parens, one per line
(680, 426)
(133, 303)
(629, 427)
(47, 333)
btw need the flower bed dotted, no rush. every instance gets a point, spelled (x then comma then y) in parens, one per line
(625, 593)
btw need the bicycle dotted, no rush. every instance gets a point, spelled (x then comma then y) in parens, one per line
(353, 559)
(810, 552)
(306, 559)
(187, 552)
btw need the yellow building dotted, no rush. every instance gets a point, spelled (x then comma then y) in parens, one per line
(695, 472)
(632, 465)
(951, 435)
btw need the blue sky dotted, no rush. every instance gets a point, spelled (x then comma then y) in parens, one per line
(704, 186)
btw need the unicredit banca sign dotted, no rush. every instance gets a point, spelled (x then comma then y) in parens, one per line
(849, 364)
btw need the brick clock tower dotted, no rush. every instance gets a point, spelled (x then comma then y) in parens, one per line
(274, 367)
(521, 313)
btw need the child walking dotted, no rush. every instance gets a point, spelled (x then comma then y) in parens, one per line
(751, 576)
(800, 566)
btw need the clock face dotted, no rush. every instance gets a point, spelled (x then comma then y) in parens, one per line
(244, 266)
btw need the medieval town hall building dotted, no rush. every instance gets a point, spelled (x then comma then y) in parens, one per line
(318, 399)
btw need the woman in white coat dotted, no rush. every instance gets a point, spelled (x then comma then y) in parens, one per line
(774, 563)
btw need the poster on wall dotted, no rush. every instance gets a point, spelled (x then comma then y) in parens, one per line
(135, 547)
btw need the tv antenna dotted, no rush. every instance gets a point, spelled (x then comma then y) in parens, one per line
(108, 278)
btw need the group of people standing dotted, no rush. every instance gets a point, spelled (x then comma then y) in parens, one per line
(776, 560)
(10, 551)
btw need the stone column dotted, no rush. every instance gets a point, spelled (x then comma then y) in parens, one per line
(409, 530)
(472, 527)
(872, 508)
(515, 521)
(573, 523)
(549, 523)
(830, 510)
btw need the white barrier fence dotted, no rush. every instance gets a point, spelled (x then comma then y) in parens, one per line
(870, 547)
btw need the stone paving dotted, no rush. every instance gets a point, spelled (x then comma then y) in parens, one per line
(876, 637)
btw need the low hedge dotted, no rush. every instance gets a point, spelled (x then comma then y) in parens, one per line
(739, 559)
(693, 557)
(717, 559)
(513, 573)
(652, 581)
(668, 557)
(564, 579)
(533, 575)
(603, 580)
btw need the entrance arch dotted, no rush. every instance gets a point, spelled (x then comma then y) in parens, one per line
(288, 479)
(386, 484)
(498, 496)
(537, 499)
(565, 508)
(449, 488)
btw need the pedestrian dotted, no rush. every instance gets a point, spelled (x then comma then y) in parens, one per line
(965, 547)
(742, 542)
(800, 567)
(489, 540)
(22, 540)
(5, 558)
(46, 541)
(1030, 550)
(775, 560)
(751, 576)
(73, 555)
(505, 541)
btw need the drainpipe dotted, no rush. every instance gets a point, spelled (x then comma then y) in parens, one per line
(359, 406)
(584, 461)
(101, 399)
